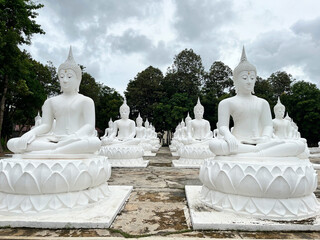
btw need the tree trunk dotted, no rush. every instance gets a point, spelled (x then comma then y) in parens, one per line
(2, 106)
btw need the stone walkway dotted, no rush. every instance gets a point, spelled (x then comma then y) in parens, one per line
(156, 209)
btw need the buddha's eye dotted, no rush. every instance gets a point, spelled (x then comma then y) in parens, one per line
(69, 75)
(62, 75)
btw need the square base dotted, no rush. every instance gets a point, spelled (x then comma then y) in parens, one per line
(182, 164)
(96, 215)
(149, 154)
(206, 218)
(174, 154)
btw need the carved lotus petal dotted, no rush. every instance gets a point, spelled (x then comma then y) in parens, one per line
(92, 195)
(276, 171)
(299, 171)
(226, 167)
(29, 167)
(68, 199)
(42, 172)
(101, 177)
(250, 170)
(205, 177)
(83, 181)
(26, 205)
(291, 205)
(8, 167)
(13, 201)
(70, 172)
(265, 205)
(237, 175)
(27, 184)
(93, 169)
(57, 167)
(249, 186)
(278, 188)
(223, 183)
(55, 203)
(279, 208)
(1, 165)
(310, 203)
(238, 202)
(5, 184)
(15, 173)
(250, 207)
(302, 207)
(82, 199)
(56, 183)
(39, 202)
(263, 175)
(302, 188)
(290, 177)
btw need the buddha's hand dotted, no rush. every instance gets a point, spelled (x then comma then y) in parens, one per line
(232, 143)
(26, 139)
(67, 140)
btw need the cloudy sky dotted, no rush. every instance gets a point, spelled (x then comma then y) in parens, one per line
(116, 39)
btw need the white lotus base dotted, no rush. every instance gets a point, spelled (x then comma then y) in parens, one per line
(205, 218)
(187, 163)
(129, 163)
(97, 215)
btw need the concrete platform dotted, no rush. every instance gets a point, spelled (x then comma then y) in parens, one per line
(205, 218)
(128, 163)
(184, 164)
(97, 215)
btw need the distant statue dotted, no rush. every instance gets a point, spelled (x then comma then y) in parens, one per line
(283, 128)
(124, 129)
(37, 121)
(199, 129)
(74, 114)
(140, 130)
(253, 129)
(108, 132)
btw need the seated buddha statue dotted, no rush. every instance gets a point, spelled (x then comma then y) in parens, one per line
(140, 130)
(124, 129)
(107, 132)
(68, 120)
(198, 129)
(253, 128)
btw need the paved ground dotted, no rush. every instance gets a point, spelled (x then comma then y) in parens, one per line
(156, 209)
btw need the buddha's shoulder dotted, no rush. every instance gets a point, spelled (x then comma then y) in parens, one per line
(228, 100)
(261, 100)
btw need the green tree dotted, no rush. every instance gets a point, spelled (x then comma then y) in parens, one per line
(144, 91)
(281, 83)
(187, 73)
(17, 25)
(218, 80)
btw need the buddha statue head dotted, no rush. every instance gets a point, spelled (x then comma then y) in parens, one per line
(198, 110)
(244, 75)
(183, 123)
(110, 123)
(139, 121)
(146, 123)
(69, 74)
(279, 110)
(124, 110)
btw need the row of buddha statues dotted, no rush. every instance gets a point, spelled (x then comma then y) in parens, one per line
(259, 167)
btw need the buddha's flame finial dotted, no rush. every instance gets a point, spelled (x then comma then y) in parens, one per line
(243, 55)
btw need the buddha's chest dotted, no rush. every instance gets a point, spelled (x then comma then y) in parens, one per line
(70, 108)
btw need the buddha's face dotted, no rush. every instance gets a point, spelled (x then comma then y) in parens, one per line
(68, 80)
(279, 112)
(198, 113)
(110, 124)
(183, 124)
(146, 124)
(139, 122)
(246, 81)
(124, 113)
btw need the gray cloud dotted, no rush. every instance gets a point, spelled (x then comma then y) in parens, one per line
(199, 19)
(309, 27)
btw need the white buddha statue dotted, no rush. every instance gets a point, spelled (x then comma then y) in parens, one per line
(254, 174)
(37, 120)
(141, 134)
(124, 129)
(195, 142)
(121, 147)
(55, 164)
(140, 130)
(108, 132)
(283, 128)
(199, 129)
(74, 116)
(253, 128)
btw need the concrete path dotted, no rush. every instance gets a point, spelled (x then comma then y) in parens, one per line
(156, 209)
